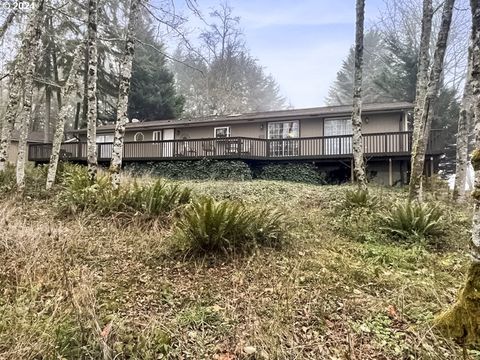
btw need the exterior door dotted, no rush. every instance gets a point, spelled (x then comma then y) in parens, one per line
(338, 145)
(168, 134)
(284, 137)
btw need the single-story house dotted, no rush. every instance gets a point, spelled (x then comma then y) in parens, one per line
(320, 135)
(35, 137)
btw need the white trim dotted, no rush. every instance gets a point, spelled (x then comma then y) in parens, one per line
(221, 127)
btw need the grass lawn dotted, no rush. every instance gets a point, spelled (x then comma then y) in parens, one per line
(109, 288)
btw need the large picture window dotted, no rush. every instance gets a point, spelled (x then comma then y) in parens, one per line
(221, 132)
(284, 135)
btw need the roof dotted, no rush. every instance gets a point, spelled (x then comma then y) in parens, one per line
(297, 114)
(33, 137)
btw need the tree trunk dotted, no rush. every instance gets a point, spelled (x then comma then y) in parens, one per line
(16, 83)
(423, 64)
(123, 93)
(65, 111)
(462, 320)
(357, 141)
(92, 90)
(25, 117)
(424, 124)
(8, 21)
(464, 121)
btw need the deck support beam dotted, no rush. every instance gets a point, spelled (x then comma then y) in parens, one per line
(352, 172)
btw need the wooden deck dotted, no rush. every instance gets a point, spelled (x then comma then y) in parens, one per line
(314, 148)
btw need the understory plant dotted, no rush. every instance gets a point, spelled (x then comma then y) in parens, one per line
(359, 198)
(225, 226)
(412, 220)
(152, 199)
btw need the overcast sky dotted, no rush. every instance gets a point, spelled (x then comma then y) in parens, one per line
(300, 42)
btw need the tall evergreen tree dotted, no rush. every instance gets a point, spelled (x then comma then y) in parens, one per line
(153, 95)
(341, 91)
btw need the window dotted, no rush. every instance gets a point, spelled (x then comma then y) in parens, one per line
(104, 139)
(138, 136)
(341, 144)
(284, 135)
(157, 135)
(221, 132)
(283, 130)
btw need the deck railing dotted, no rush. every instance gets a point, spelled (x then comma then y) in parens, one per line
(324, 147)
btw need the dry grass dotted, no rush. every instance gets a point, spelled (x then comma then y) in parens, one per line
(94, 288)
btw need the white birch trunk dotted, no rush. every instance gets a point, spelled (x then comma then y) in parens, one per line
(16, 84)
(423, 65)
(25, 117)
(462, 135)
(123, 93)
(357, 141)
(65, 111)
(475, 88)
(462, 321)
(92, 89)
(420, 142)
(8, 21)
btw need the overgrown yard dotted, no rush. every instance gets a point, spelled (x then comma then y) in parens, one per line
(115, 286)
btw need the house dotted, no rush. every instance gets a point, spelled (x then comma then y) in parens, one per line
(319, 135)
(35, 137)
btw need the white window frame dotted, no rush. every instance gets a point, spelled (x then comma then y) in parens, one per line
(221, 127)
(155, 136)
(135, 137)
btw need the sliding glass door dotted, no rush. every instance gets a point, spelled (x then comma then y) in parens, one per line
(340, 145)
(283, 136)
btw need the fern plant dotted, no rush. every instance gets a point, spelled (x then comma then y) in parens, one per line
(80, 194)
(359, 198)
(224, 226)
(412, 220)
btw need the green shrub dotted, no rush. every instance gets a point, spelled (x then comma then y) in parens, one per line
(35, 179)
(7, 179)
(224, 226)
(306, 173)
(79, 194)
(412, 220)
(205, 169)
(359, 198)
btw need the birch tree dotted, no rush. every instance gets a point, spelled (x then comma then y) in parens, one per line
(8, 21)
(423, 65)
(92, 89)
(462, 135)
(424, 122)
(66, 110)
(462, 321)
(124, 90)
(357, 141)
(16, 82)
(25, 117)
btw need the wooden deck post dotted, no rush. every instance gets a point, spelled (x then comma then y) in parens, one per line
(352, 172)
(390, 172)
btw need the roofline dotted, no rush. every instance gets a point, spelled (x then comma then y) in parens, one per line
(320, 112)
